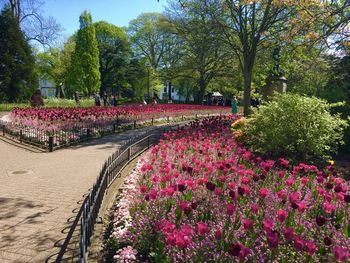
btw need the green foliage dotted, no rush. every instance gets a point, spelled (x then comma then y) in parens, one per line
(17, 77)
(85, 61)
(114, 53)
(294, 126)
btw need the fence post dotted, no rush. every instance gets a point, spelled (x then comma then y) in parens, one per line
(50, 143)
(3, 130)
(20, 135)
(168, 119)
(208, 115)
(88, 133)
(134, 124)
(152, 121)
(182, 118)
(196, 115)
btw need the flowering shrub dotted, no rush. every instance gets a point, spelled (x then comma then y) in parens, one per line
(297, 127)
(198, 196)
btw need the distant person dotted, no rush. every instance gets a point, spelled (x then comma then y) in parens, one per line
(114, 101)
(97, 100)
(155, 101)
(105, 99)
(76, 98)
(144, 102)
(234, 105)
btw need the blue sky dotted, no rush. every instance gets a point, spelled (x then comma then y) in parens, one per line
(118, 12)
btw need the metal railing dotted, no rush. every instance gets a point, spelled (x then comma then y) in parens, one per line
(74, 134)
(111, 170)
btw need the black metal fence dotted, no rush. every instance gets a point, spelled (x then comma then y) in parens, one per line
(111, 169)
(74, 134)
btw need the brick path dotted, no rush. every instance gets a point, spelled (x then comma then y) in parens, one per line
(40, 194)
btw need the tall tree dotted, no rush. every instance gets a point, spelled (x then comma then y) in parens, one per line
(114, 53)
(85, 61)
(17, 76)
(36, 27)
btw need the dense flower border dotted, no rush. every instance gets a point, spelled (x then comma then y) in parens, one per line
(198, 196)
(60, 118)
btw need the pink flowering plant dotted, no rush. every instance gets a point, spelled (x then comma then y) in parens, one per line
(199, 196)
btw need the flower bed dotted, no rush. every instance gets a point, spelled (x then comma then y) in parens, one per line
(59, 118)
(198, 196)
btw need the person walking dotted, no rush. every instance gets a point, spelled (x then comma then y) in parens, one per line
(234, 105)
(97, 100)
(114, 101)
(105, 99)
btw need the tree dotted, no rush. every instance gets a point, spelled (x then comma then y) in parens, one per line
(17, 76)
(85, 60)
(36, 27)
(205, 53)
(55, 65)
(114, 53)
(246, 25)
(147, 37)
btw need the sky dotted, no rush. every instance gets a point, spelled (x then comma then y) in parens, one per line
(117, 12)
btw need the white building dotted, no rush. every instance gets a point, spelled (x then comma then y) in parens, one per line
(47, 88)
(164, 94)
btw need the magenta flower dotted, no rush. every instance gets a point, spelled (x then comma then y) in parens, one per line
(218, 234)
(340, 253)
(247, 223)
(143, 189)
(230, 209)
(288, 233)
(273, 239)
(263, 192)
(202, 228)
(282, 215)
(310, 247)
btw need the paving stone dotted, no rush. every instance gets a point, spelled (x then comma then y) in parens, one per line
(40, 198)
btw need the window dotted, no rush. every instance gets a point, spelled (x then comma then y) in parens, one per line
(165, 89)
(172, 89)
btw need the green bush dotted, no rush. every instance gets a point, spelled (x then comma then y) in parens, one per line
(296, 127)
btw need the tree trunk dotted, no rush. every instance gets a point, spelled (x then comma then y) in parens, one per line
(247, 75)
(202, 87)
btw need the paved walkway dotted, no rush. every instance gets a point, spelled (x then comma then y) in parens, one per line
(40, 194)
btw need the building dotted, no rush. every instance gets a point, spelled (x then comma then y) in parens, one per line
(164, 94)
(47, 88)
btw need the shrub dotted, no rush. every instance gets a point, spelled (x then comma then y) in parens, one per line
(296, 127)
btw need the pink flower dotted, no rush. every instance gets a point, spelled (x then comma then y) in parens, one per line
(294, 197)
(218, 234)
(298, 243)
(329, 208)
(268, 225)
(310, 247)
(301, 207)
(273, 239)
(255, 208)
(153, 194)
(282, 215)
(247, 223)
(143, 189)
(230, 209)
(304, 180)
(288, 233)
(340, 253)
(202, 228)
(263, 192)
